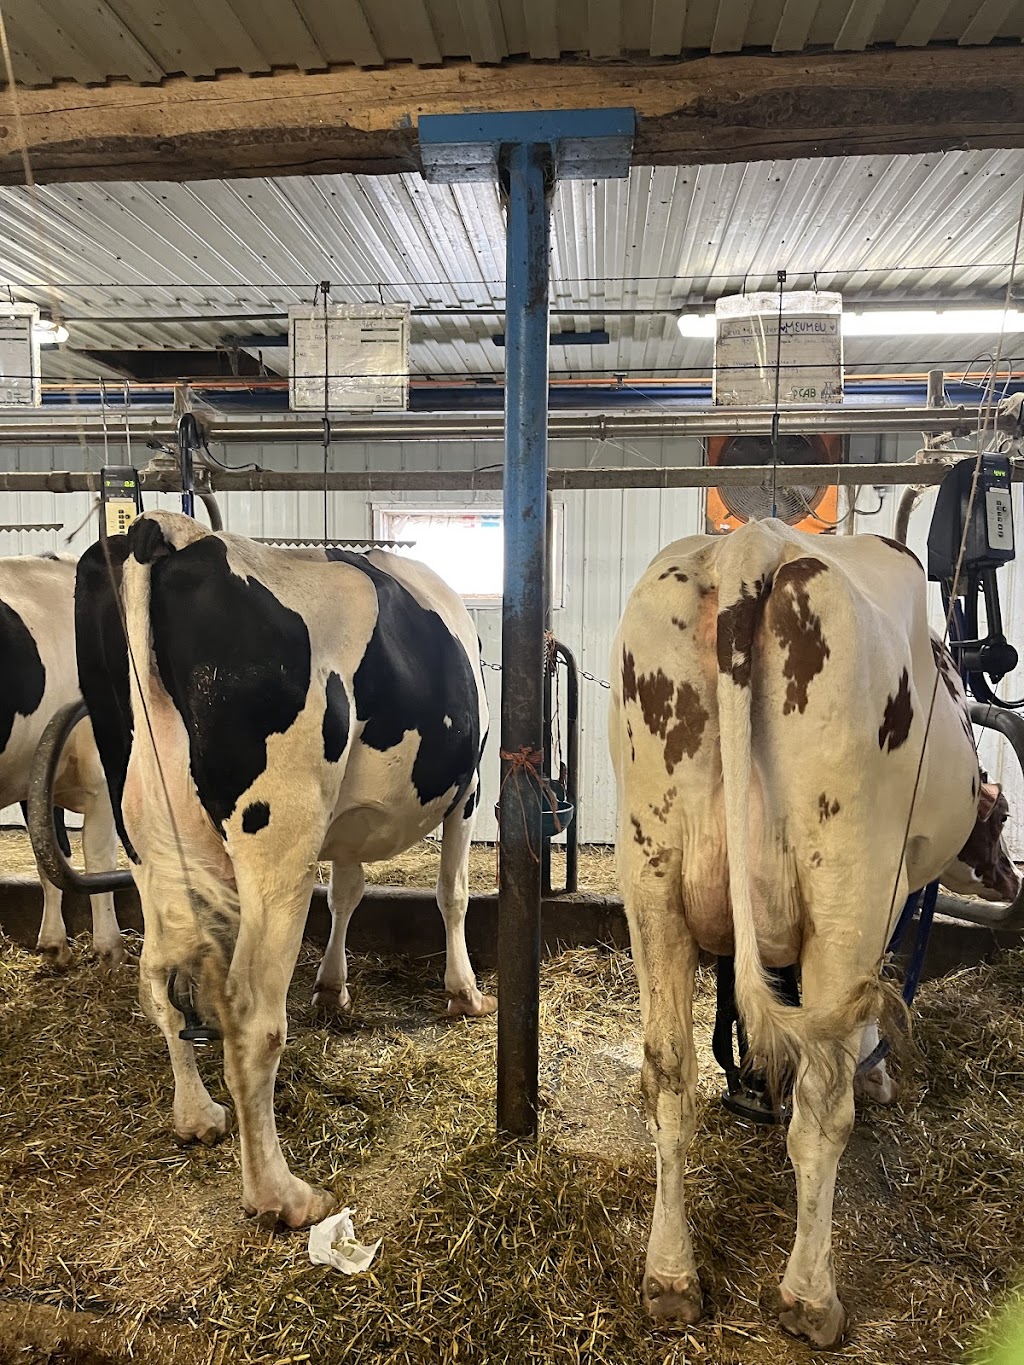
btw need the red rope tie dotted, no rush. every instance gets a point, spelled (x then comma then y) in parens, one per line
(528, 761)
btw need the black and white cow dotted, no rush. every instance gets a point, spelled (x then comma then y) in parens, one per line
(37, 678)
(287, 706)
(778, 800)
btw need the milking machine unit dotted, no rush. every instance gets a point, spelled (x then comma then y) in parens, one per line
(120, 499)
(190, 439)
(984, 527)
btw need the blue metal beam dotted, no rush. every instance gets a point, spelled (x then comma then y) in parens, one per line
(583, 144)
(599, 338)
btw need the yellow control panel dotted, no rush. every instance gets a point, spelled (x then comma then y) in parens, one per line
(119, 516)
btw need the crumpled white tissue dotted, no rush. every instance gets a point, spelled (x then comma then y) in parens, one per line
(333, 1242)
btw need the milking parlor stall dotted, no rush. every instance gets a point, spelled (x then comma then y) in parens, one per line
(510, 712)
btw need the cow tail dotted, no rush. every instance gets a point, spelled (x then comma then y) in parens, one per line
(135, 594)
(773, 1029)
(152, 537)
(780, 1036)
(197, 911)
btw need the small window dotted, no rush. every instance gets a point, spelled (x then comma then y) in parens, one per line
(465, 545)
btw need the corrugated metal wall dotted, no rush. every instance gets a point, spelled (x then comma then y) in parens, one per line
(607, 540)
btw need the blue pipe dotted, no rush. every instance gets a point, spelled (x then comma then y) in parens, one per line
(528, 167)
(602, 397)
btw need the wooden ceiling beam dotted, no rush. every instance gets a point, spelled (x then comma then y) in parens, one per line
(726, 108)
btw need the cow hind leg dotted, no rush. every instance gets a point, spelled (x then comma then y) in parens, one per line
(666, 962)
(822, 1120)
(330, 992)
(255, 1024)
(464, 995)
(99, 850)
(875, 1084)
(823, 1114)
(196, 1116)
(53, 937)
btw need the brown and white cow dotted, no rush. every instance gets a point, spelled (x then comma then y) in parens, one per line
(769, 699)
(37, 677)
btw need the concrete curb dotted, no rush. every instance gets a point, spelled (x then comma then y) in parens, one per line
(406, 920)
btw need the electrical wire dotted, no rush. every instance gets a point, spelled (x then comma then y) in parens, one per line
(854, 510)
(768, 273)
(221, 464)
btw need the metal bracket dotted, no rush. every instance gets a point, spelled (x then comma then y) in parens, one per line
(585, 144)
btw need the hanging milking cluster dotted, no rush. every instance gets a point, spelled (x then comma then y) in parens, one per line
(970, 538)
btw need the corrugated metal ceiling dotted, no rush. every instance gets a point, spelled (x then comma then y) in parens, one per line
(108, 39)
(177, 266)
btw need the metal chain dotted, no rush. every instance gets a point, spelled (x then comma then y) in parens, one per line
(590, 677)
(601, 682)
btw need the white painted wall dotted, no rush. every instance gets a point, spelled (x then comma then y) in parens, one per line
(608, 539)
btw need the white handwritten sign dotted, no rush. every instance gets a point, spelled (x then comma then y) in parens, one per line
(764, 355)
(19, 356)
(363, 350)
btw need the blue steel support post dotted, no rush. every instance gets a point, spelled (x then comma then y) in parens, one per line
(528, 167)
(529, 151)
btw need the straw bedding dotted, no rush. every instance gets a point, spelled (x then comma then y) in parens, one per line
(117, 1245)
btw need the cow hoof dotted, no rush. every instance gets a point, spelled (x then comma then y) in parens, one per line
(678, 1300)
(331, 1000)
(301, 1206)
(56, 956)
(875, 1085)
(207, 1127)
(472, 1004)
(823, 1324)
(109, 956)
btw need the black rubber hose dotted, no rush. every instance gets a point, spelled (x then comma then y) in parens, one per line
(41, 826)
(213, 511)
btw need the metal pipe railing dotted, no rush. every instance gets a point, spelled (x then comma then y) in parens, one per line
(908, 502)
(482, 480)
(160, 427)
(572, 763)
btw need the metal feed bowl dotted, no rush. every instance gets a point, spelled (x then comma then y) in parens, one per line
(558, 812)
(557, 819)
